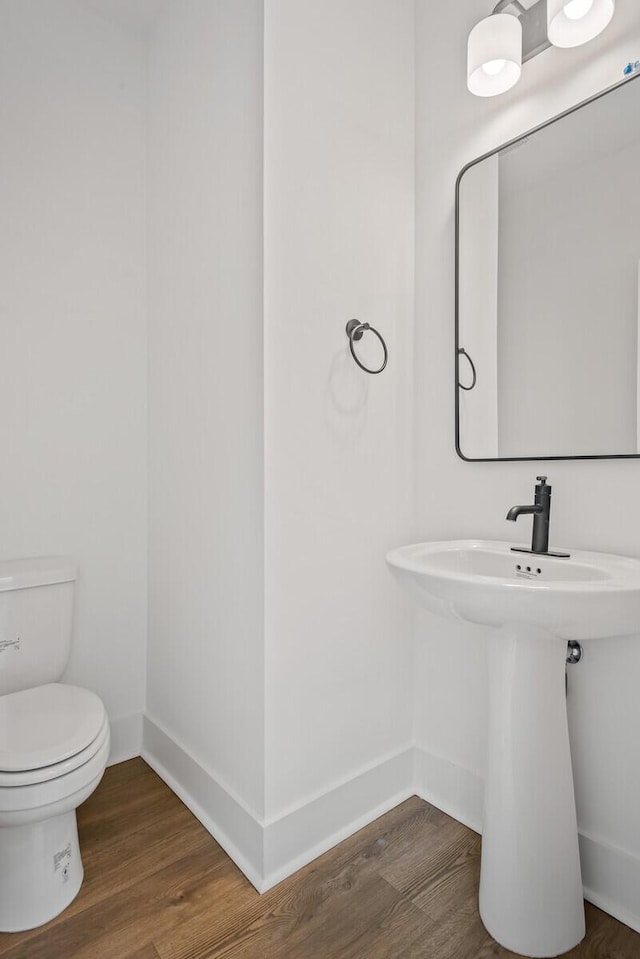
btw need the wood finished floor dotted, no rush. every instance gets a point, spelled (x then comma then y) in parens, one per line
(157, 886)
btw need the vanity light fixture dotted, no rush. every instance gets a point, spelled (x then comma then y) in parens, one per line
(494, 55)
(578, 21)
(518, 31)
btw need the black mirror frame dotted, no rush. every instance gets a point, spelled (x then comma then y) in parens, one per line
(458, 348)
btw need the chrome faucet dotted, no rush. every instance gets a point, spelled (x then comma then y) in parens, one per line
(541, 511)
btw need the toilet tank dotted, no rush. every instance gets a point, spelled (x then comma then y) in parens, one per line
(36, 613)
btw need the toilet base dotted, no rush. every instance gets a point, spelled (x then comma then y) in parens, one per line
(41, 871)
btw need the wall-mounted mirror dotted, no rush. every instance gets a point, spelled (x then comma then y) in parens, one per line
(548, 289)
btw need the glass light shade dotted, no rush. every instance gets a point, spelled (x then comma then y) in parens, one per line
(570, 23)
(494, 55)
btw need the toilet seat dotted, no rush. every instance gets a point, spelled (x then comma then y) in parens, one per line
(29, 777)
(48, 731)
(39, 801)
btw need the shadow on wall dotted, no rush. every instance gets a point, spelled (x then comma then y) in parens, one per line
(346, 396)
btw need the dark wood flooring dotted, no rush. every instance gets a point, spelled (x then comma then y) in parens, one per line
(157, 886)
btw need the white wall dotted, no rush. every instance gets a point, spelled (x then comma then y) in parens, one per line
(338, 244)
(72, 315)
(595, 504)
(206, 658)
(287, 726)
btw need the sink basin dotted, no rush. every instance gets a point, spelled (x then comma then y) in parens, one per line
(588, 596)
(530, 882)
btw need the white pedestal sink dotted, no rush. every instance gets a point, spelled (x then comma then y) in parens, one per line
(530, 883)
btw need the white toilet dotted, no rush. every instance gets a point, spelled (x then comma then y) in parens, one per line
(54, 744)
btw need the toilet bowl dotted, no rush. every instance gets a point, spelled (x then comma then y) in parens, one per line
(54, 746)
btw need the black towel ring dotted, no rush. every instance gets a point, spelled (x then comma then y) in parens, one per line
(355, 331)
(463, 352)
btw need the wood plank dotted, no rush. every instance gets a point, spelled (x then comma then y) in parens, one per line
(147, 952)
(124, 802)
(124, 863)
(137, 914)
(367, 915)
(606, 938)
(438, 877)
(317, 889)
(378, 926)
(120, 785)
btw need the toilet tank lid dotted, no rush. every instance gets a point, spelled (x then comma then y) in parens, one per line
(36, 571)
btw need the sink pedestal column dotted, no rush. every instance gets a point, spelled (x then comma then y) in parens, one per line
(530, 883)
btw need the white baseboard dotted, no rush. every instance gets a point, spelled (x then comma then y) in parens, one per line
(233, 826)
(269, 852)
(298, 837)
(126, 738)
(611, 880)
(451, 788)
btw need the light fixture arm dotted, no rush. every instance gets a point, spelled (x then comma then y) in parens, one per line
(503, 4)
(534, 25)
